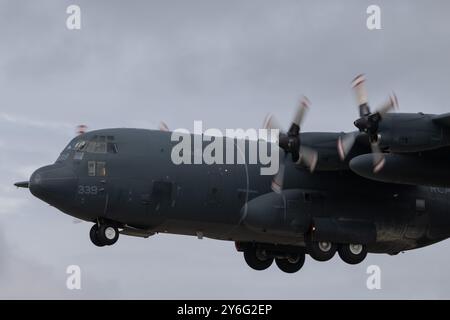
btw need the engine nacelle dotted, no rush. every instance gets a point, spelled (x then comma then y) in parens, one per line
(404, 169)
(411, 132)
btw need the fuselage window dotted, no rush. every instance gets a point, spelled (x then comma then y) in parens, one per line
(91, 168)
(101, 169)
(96, 169)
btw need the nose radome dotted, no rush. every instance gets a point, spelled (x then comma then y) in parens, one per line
(53, 184)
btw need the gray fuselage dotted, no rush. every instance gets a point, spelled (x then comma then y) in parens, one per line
(132, 181)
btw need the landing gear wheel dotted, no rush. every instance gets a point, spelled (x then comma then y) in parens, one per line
(352, 253)
(107, 234)
(93, 234)
(321, 250)
(256, 259)
(291, 264)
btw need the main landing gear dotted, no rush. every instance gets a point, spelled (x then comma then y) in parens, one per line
(290, 259)
(325, 250)
(261, 257)
(321, 250)
(352, 253)
(104, 234)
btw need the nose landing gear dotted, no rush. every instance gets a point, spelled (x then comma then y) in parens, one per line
(104, 235)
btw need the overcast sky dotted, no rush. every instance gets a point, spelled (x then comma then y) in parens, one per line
(228, 63)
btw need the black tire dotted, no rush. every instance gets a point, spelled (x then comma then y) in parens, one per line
(93, 234)
(107, 234)
(255, 261)
(351, 254)
(291, 264)
(321, 250)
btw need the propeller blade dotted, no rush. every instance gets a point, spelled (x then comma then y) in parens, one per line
(389, 105)
(308, 156)
(81, 129)
(345, 144)
(278, 179)
(301, 111)
(271, 122)
(299, 116)
(163, 126)
(378, 157)
(358, 85)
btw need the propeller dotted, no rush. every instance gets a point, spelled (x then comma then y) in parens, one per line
(82, 128)
(163, 126)
(290, 143)
(367, 123)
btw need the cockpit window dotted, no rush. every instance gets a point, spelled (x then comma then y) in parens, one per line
(62, 157)
(101, 144)
(80, 145)
(96, 147)
(112, 147)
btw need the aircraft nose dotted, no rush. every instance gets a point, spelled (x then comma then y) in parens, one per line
(53, 184)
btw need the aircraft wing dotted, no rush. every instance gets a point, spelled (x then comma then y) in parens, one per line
(442, 119)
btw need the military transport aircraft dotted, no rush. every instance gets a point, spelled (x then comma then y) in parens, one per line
(381, 189)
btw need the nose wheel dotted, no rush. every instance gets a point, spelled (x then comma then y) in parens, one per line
(104, 235)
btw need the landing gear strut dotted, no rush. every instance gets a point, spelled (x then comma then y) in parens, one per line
(105, 235)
